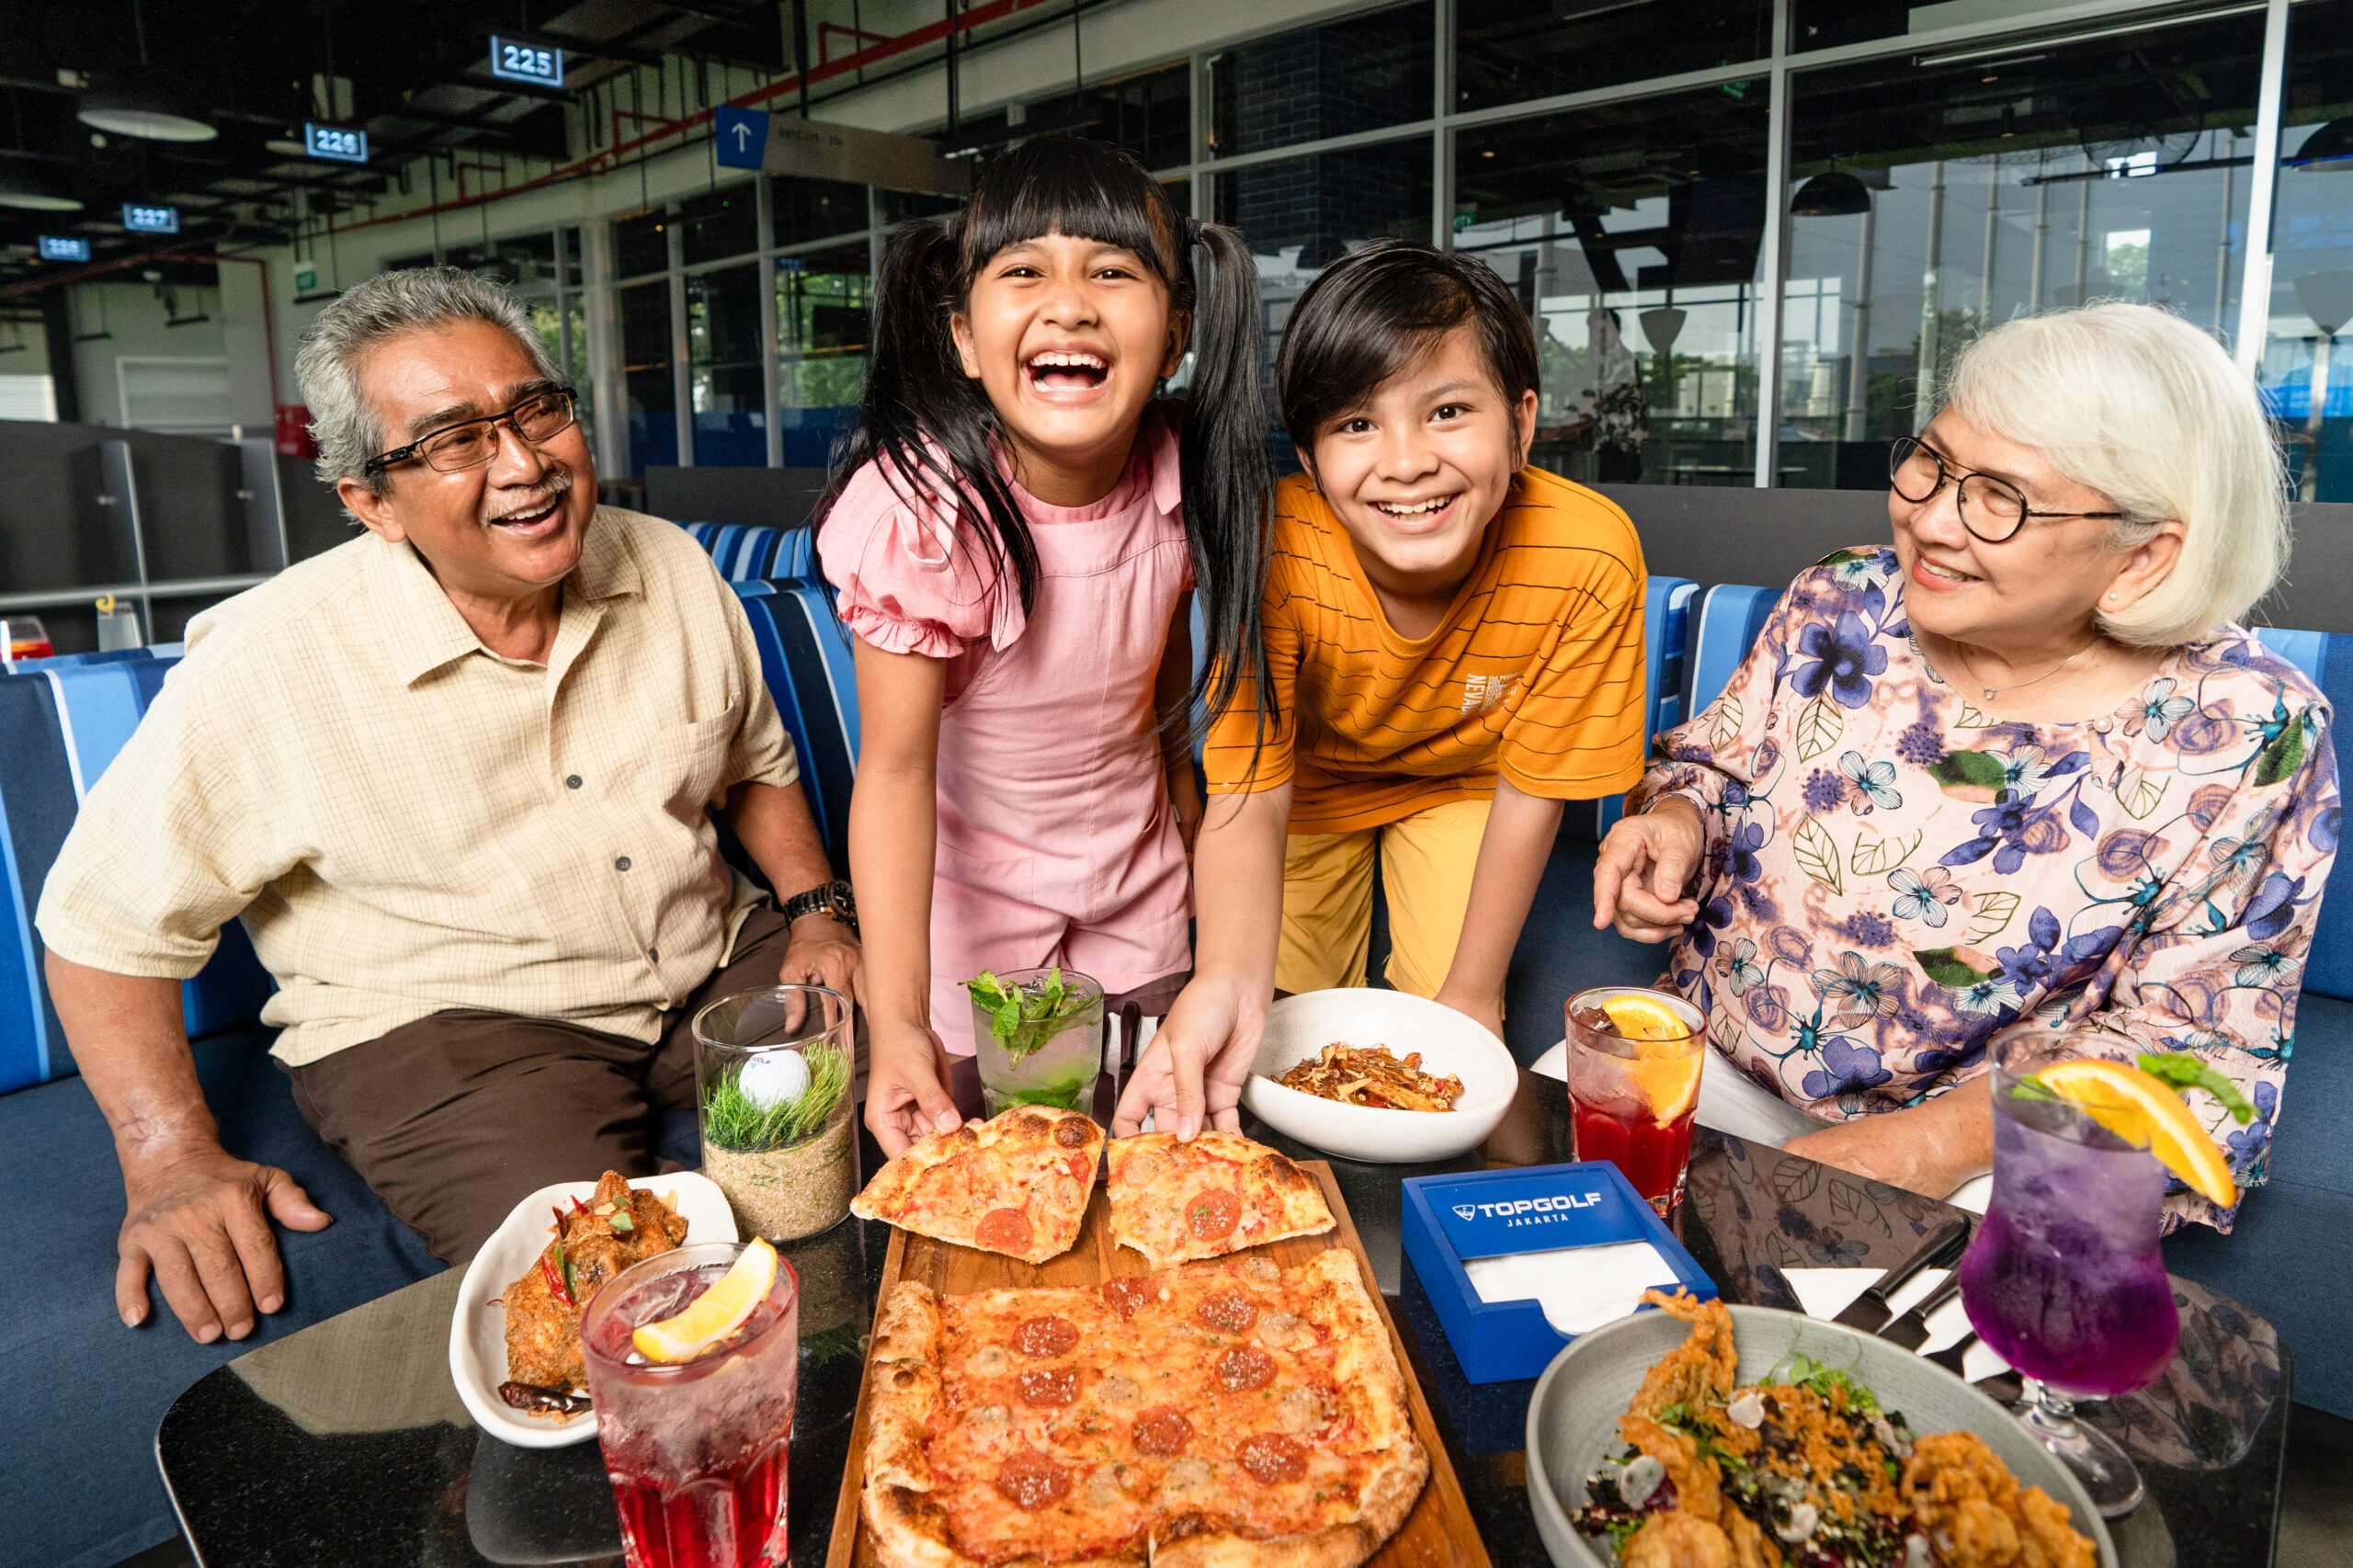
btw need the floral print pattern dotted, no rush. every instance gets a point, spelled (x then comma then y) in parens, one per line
(1894, 880)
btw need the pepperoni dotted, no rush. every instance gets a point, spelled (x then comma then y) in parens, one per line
(1214, 1214)
(1004, 1230)
(1071, 1132)
(1243, 1368)
(1081, 1170)
(1030, 1480)
(1270, 1457)
(1228, 1311)
(1162, 1432)
(1042, 1337)
(1045, 1386)
(1129, 1296)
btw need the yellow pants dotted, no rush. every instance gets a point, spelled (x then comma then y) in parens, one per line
(1426, 861)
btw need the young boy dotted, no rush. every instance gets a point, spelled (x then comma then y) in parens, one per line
(1455, 648)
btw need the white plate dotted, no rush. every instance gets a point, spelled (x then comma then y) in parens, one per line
(478, 1329)
(1300, 1026)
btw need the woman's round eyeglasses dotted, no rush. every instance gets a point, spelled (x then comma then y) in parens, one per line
(471, 443)
(1991, 509)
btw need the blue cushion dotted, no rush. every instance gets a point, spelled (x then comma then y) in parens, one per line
(1667, 613)
(1730, 616)
(805, 658)
(80, 1435)
(37, 805)
(2327, 658)
(2278, 1261)
(746, 555)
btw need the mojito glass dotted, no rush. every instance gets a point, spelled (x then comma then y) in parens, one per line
(1634, 1059)
(2065, 1278)
(696, 1450)
(1039, 1034)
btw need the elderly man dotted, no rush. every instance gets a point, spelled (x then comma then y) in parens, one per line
(454, 775)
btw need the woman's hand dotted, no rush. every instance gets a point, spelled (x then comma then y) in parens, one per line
(1638, 877)
(906, 1087)
(1192, 1073)
(1929, 1149)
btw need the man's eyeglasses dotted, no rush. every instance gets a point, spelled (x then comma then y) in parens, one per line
(471, 443)
(1991, 509)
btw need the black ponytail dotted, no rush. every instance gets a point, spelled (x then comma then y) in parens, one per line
(932, 430)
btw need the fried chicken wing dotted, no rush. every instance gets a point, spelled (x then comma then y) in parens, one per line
(1701, 1371)
(1978, 1516)
(592, 1241)
(1675, 1540)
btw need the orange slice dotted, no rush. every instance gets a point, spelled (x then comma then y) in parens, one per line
(1669, 1082)
(716, 1314)
(1640, 1016)
(2142, 1109)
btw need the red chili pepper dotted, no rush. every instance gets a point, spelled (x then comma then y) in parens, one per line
(578, 1207)
(559, 1218)
(555, 1281)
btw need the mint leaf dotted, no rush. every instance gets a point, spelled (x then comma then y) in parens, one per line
(2180, 1070)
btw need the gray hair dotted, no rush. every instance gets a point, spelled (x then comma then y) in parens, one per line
(2144, 408)
(344, 421)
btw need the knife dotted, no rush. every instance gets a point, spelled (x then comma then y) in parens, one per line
(1869, 1311)
(1911, 1330)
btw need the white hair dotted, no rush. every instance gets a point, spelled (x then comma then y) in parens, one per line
(344, 420)
(2144, 408)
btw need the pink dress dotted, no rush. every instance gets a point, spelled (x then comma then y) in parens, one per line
(1058, 843)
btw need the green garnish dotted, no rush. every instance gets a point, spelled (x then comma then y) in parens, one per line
(2179, 1070)
(1801, 1370)
(734, 1120)
(623, 1223)
(1024, 1017)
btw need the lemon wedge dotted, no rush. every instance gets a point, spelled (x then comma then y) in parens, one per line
(1637, 1017)
(716, 1314)
(2143, 1109)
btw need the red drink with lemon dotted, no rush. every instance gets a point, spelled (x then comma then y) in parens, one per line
(1634, 1059)
(693, 1361)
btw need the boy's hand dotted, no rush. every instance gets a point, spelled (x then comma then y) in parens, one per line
(906, 1087)
(1487, 1014)
(1192, 1073)
(1638, 877)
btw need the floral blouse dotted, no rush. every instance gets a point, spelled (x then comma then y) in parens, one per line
(1894, 880)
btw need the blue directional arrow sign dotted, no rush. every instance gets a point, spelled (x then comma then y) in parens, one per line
(743, 136)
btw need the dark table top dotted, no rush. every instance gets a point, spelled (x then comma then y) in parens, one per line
(347, 1442)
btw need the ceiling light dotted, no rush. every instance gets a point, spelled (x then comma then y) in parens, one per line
(1835, 194)
(2330, 147)
(33, 194)
(130, 107)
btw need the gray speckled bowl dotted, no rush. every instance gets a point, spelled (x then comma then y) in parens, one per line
(1572, 1417)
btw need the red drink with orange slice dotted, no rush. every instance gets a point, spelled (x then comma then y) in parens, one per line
(1634, 1059)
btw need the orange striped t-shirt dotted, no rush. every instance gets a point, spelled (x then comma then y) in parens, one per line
(1535, 672)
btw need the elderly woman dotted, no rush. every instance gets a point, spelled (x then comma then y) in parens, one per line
(2022, 772)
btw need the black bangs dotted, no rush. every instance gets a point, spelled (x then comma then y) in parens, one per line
(1087, 189)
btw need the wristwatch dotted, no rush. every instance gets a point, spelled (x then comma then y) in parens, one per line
(833, 900)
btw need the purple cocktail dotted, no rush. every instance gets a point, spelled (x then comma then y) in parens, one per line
(2064, 1278)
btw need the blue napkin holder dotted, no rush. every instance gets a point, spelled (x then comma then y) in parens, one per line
(1449, 1220)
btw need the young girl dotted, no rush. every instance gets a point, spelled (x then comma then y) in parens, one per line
(1015, 531)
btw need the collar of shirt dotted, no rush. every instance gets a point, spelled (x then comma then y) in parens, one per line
(424, 630)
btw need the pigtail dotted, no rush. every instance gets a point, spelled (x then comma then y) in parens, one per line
(1228, 476)
(926, 425)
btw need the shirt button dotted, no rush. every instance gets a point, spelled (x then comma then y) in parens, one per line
(2102, 726)
(653, 955)
(622, 864)
(572, 781)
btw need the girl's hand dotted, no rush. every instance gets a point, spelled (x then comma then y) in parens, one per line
(1639, 875)
(1192, 1073)
(906, 1087)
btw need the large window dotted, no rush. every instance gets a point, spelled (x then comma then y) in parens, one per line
(1632, 232)
(645, 374)
(1507, 51)
(724, 376)
(2307, 369)
(823, 313)
(1363, 73)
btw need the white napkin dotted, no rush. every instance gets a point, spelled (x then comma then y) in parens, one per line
(1579, 1287)
(1825, 1292)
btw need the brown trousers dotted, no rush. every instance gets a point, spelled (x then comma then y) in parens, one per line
(455, 1119)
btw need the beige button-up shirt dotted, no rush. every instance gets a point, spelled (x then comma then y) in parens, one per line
(410, 822)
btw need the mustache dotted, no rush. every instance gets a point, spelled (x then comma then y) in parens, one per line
(554, 487)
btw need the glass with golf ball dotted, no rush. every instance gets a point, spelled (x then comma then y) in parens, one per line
(772, 1074)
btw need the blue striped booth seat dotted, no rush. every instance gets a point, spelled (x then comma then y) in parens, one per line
(1666, 616)
(745, 554)
(61, 723)
(1730, 616)
(805, 657)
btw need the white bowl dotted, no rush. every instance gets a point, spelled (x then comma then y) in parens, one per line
(478, 1329)
(1298, 1027)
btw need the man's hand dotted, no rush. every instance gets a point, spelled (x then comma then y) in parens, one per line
(199, 1219)
(1192, 1073)
(1639, 875)
(906, 1087)
(822, 951)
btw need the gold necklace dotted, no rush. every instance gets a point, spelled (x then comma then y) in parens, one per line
(1993, 691)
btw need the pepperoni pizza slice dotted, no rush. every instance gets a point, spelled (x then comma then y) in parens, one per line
(1175, 1202)
(1017, 1185)
(1227, 1414)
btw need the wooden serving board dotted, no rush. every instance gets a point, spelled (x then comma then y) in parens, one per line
(1439, 1533)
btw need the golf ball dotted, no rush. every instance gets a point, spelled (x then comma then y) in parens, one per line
(774, 1078)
